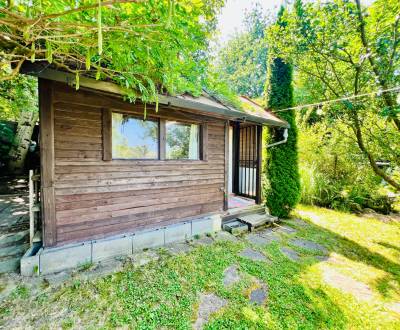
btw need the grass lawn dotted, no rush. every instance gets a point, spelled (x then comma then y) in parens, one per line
(357, 286)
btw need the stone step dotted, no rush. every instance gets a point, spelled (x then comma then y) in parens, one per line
(13, 250)
(234, 214)
(235, 227)
(14, 238)
(9, 264)
(257, 220)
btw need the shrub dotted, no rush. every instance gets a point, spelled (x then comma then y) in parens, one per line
(334, 175)
(283, 191)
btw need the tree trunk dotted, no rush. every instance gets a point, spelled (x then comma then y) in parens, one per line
(22, 141)
(371, 158)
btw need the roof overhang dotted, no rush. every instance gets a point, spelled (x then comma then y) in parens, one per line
(181, 101)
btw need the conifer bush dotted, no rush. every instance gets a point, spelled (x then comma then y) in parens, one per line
(282, 191)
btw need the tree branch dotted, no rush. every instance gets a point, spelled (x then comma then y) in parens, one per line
(371, 158)
(389, 101)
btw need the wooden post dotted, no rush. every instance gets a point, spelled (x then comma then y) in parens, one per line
(236, 157)
(107, 134)
(47, 162)
(31, 203)
(163, 134)
(259, 165)
(204, 142)
(226, 170)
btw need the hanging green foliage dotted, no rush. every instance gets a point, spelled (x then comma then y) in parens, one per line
(144, 46)
(99, 33)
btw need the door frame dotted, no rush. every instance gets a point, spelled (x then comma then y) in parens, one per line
(257, 158)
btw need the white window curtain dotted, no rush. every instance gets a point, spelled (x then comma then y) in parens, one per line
(194, 142)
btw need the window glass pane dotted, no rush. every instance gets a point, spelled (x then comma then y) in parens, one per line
(134, 138)
(182, 140)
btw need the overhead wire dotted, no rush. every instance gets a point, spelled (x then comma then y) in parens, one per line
(352, 97)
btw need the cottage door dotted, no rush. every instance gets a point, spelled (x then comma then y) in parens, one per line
(247, 160)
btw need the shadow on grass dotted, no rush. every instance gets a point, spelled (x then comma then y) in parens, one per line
(389, 246)
(350, 249)
(336, 243)
(294, 303)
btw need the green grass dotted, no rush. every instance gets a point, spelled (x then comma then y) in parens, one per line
(164, 294)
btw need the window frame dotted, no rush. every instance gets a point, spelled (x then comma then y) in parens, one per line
(136, 116)
(162, 134)
(187, 123)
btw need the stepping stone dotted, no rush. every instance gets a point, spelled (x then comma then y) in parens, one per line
(285, 230)
(322, 258)
(55, 280)
(259, 296)
(308, 245)
(144, 257)
(203, 241)
(253, 255)
(269, 235)
(347, 284)
(102, 269)
(290, 254)
(225, 236)
(209, 304)
(297, 222)
(178, 248)
(257, 240)
(231, 276)
(394, 307)
(336, 259)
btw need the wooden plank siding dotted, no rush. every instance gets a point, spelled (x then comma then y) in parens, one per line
(97, 197)
(47, 119)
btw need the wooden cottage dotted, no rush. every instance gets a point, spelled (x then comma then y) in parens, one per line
(112, 170)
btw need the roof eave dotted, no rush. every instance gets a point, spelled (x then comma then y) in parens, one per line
(230, 113)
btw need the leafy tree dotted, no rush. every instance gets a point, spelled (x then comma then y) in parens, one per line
(16, 96)
(18, 103)
(243, 60)
(333, 172)
(144, 46)
(340, 51)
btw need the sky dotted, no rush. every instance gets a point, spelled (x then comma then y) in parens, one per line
(232, 15)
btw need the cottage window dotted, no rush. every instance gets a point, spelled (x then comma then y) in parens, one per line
(134, 138)
(182, 140)
(127, 136)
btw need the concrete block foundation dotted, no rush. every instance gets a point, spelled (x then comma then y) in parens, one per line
(109, 248)
(52, 260)
(148, 239)
(203, 226)
(178, 233)
(58, 259)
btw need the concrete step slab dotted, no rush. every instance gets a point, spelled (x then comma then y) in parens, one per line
(235, 227)
(256, 220)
